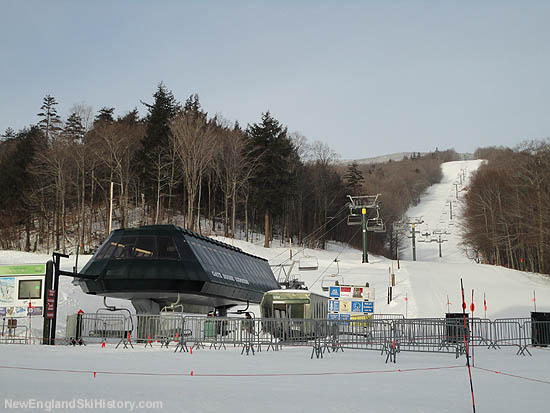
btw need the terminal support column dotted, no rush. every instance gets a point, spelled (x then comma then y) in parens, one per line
(364, 225)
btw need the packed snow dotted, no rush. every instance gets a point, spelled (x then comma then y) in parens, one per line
(288, 380)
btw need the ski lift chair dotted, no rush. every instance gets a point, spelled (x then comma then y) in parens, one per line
(376, 225)
(380, 228)
(308, 264)
(354, 219)
(331, 280)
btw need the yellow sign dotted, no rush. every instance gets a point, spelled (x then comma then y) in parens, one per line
(361, 320)
(345, 306)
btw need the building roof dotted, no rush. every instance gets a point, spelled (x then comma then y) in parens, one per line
(167, 258)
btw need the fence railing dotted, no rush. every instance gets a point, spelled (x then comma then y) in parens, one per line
(15, 330)
(385, 333)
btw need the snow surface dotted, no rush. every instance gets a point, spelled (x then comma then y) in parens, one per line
(395, 157)
(288, 380)
(284, 381)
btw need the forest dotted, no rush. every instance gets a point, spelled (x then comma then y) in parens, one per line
(182, 166)
(507, 214)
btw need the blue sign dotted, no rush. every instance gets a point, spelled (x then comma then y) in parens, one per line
(334, 305)
(333, 316)
(34, 311)
(357, 306)
(334, 291)
(368, 306)
(345, 317)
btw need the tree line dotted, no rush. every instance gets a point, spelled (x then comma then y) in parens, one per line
(507, 212)
(179, 165)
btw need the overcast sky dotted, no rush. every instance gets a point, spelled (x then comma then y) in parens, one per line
(365, 77)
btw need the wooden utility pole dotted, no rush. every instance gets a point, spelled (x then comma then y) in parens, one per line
(110, 209)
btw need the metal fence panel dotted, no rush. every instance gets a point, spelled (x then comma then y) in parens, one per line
(388, 334)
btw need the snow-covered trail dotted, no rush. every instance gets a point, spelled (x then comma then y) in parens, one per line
(435, 208)
(287, 380)
(351, 380)
(426, 283)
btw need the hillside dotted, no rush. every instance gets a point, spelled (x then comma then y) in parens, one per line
(394, 157)
(426, 282)
(426, 382)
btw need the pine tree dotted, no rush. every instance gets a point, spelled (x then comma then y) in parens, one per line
(8, 134)
(50, 124)
(152, 158)
(354, 179)
(272, 182)
(105, 114)
(161, 112)
(73, 131)
(192, 104)
(131, 117)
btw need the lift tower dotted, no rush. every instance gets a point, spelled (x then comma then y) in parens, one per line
(358, 215)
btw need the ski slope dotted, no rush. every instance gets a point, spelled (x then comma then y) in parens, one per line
(426, 282)
(288, 380)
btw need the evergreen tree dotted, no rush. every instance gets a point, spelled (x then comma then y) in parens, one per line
(73, 131)
(131, 117)
(105, 114)
(163, 109)
(155, 144)
(192, 104)
(8, 134)
(354, 179)
(50, 122)
(273, 178)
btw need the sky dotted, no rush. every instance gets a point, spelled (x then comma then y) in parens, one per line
(367, 78)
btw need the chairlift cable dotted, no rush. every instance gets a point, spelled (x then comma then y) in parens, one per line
(301, 249)
(342, 250)
(311, 234)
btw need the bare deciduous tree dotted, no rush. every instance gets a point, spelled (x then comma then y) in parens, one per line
(195, 145)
